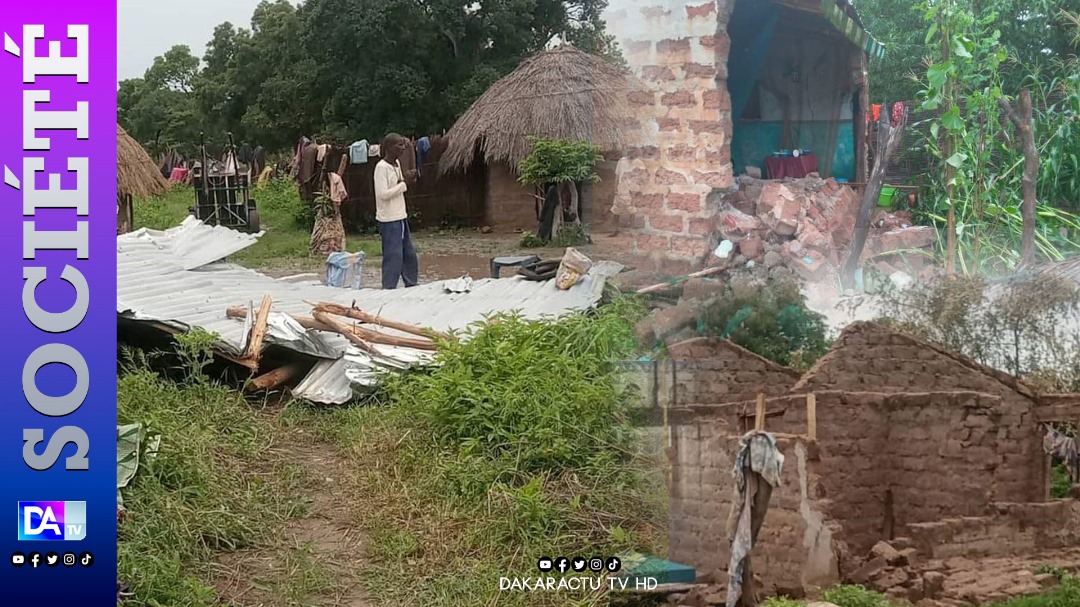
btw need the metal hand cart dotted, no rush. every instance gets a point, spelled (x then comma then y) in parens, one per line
(223, 190)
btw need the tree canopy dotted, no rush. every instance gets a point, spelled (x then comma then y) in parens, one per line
(346, 69)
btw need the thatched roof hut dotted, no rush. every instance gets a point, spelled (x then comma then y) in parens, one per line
(562, 93)
(136, 173)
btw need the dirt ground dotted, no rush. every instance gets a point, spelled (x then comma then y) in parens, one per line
(447, 256)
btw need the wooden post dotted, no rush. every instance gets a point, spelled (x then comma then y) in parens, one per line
(888, 140)
(759, 415)
(275, 378)
(1025, 128)
(811, 416)
(258, 331)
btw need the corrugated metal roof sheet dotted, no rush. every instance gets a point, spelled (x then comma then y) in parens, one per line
(176, 278)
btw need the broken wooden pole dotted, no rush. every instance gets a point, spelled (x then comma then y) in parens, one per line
(253, 351)
(1026, 128)
(759, 414)
(373, 319)
(275, 378)
(888, 140)
(345, 330)
(811, 416)
(366, 334)
(673, 282)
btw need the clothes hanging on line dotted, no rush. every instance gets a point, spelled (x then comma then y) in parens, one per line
(1066, 448)
(422, 146)
(358, 152)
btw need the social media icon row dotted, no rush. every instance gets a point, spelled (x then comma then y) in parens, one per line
(579, 564)
(51, 559)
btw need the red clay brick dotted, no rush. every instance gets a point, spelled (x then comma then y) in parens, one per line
(721, 155)
(668, 124)
(642, 98)
(667, 177)
(701, 227)
(707, 41)
(685, 202)
(713, 179)
(681, 153)
(646, 152)
(657, 73)
(707, 126)
(637, 176)
(667, 223)
(679, 99)
(651, 244)
(698, 70)
(703, 10)
(650, 203)
(687, 246)
(673, 45)
(712, 99)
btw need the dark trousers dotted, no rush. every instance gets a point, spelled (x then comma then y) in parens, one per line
(398, 256)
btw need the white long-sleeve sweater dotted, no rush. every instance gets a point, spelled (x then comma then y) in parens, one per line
(390, 190)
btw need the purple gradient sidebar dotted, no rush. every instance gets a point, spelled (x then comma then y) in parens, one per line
(58, 353)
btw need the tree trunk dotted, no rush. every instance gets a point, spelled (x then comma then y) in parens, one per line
(1026, 130)
(888, 139)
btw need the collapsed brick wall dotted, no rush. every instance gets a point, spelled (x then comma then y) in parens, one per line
(709, 370)
(795, 548)
(870, 357)
(1011, 529)
(679, 50)
(868, 450)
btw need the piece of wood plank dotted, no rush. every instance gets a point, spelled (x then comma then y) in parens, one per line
(253, 351)
(811, 416)
(665, 285)
(366, 334)
(343, 329)
(759, 414)
(275, 378)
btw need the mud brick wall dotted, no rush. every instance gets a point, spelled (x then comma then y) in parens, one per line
(879, 470)
(709, 370)
(869, 357)
(1011, 529)
(679, 49)
(795, 548)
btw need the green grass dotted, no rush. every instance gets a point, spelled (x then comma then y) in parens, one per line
(284, 218)
(217, 486)
(1065, 595)
(517, 446)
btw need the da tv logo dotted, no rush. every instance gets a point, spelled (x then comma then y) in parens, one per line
(52, 521)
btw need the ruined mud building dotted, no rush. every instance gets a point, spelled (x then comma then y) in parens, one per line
(731, 82)
(927, 477)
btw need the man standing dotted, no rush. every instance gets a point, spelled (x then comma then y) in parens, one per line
(398, 256)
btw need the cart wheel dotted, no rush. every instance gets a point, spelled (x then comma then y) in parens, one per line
(253, 220)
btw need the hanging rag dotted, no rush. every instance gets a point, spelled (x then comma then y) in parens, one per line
(337, 188)
(323, 148)
(423, 144)
(244, 154)
(1066, 448)
(408, 157)
(757, 472)
(258, 160)
(358, 152)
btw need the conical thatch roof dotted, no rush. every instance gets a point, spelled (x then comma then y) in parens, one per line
(563, 93)
(136, 173)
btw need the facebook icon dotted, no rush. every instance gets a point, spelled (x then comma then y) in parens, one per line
(52, 521)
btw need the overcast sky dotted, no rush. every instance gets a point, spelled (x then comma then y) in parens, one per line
(147, 29)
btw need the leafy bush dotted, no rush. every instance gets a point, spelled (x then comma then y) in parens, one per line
(769, 319)
(279, 199)
(1016, 325)
(781, 601)
(559, 160)
(540, 394)
(855, 596)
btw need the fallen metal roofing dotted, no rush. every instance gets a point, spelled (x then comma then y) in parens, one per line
(176, 279)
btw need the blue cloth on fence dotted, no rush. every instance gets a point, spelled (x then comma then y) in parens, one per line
(358, 152)
(337, 270)
(422, 147)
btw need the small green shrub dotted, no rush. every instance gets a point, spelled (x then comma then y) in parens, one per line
(768, 318)
(855, 596)
(781, 601)
(279, 203)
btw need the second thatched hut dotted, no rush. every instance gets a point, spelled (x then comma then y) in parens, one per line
(562, 93)
(136, 175)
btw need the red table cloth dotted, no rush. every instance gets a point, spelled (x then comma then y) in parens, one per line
(779, 167)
